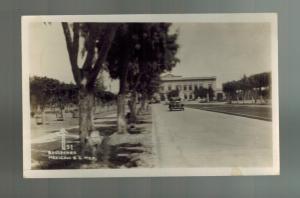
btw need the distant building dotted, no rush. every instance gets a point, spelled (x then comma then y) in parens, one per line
(185, 85)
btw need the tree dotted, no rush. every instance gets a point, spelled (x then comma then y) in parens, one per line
(97, 39)
(117, 63)
(46, 91)
(196, 91)
(229, 89)
(139, 52)
(202, 92)
(156, 55)
(260, 81)
(42, 90)
(257, 84)
(219, 96)
(72, 94)
(211, 93)
(147, 88)
(104, 96)
(60, 97)
(244, 86)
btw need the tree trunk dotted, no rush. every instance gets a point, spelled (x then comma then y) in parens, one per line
(40, 119)
(132, 107)
(260, 95)
(254, 95)
(147, 105)
(86, 106)
(61, 108)
(143, 105)
(122, 127)
(228, 97)
(261, 99)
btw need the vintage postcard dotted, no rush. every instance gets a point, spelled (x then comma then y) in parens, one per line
(150, 95)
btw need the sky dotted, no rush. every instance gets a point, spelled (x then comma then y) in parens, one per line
(225, 50)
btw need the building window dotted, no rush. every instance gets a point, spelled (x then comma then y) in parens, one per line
(185, 96)
(184, 87)
(169, 87)
(178, 87)
(162, 88)
(190, 87)
(195, 87)
(209, 85)
(191, 96)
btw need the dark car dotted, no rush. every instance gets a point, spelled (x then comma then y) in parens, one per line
(176, 105)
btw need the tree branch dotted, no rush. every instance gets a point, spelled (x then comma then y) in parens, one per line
(138, 79)
(72, 50)
(75, 40)
(89, 58)
(103, 52)
(90, 44)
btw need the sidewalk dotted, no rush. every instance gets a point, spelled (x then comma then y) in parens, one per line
(134, 151)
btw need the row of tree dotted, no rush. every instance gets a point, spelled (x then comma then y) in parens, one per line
(48, 92)
(254, 87)
(133, 53)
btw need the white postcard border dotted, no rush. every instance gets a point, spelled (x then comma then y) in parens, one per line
(151, 172)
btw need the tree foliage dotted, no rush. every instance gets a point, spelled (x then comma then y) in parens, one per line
(211, 93)
(46, 91)
(146, 50)
(140, 52)
(257, 84)
(143, 45)
(200, 92)
(230, 89)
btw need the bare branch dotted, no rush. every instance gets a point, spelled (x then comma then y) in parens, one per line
(71, 51)
(90, 56)
(75, 40)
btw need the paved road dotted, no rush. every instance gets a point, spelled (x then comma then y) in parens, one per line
(197, 138)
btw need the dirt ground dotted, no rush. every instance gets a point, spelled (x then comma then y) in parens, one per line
(134, 149)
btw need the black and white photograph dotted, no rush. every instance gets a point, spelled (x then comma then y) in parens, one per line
(150, 95)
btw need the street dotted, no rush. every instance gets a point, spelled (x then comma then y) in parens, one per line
(197, 138)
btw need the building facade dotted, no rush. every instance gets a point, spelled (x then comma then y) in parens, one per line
(185, 85)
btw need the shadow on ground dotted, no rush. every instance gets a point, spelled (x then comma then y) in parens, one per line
(120, 155)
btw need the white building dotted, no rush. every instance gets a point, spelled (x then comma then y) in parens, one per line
(185, 85)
